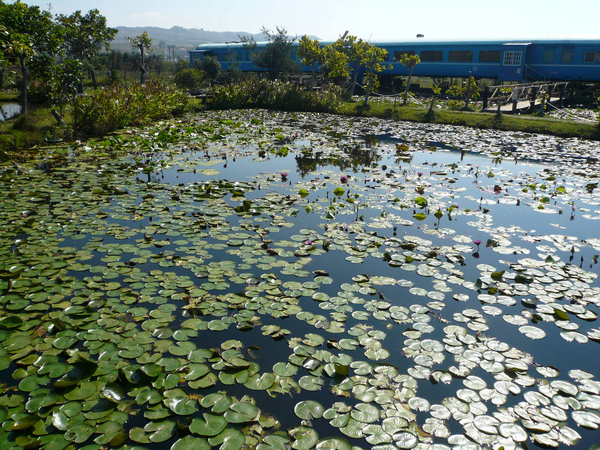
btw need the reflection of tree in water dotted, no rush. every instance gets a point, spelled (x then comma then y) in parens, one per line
(350, 157)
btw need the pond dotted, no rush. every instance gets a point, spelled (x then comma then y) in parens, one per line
(253, 279)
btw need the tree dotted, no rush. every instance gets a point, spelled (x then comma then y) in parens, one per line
(32, 42)
(276, 56)
(311, 54)
(410, 61)
(86, 36)
(211, 67)
(346, 57)
(372, 57)
(142, 43)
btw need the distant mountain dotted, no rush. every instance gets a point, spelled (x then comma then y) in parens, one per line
(184, 39)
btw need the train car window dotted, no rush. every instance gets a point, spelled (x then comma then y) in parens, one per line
(590, 57)
(549, 56)
(398, 54)
(460, 55)
(512, 58)
(431, 55)
(489, 56)
(567, 57)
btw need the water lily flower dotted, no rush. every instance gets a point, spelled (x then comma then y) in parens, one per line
(308, 242)
(344, 179)
(284, 176)
(477, 243)
(420, 174)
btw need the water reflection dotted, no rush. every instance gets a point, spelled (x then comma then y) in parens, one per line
(353, 157)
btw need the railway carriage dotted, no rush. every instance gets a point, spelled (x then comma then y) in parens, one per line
(518, 61)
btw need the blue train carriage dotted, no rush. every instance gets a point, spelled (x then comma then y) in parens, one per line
(505, 61)
(519, 61)
(564, 60)
(233, 54)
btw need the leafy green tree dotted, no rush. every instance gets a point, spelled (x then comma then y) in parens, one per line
(32, 42)
(409, 61)
(85, 36)
(66, 80)
(211, 67)
(311, 54)
(352, 49)
(143, 44)
(372, 58)
(276, 56)
(190, 79)
(335, 64)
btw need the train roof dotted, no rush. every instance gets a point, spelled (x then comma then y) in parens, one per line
(426, 43)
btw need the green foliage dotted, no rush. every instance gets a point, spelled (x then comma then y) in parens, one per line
(276, 56)
(190, 79)
(211, 67)
(85, 35)
(120, 106)
(342, 58)
(33, 39)
(372, 57)
(143, 44)
(262, 93)
(409, 61)
(67, 78)
(310, 51)
(311, 54)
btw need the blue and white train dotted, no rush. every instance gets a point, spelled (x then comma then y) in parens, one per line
(520, 61)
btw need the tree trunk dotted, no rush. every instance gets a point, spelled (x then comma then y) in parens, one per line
(354, 78)
(368, 88)
(407, 86)
(93, 74)
(142, 67)
(24, 87)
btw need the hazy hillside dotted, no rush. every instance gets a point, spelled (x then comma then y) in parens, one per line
(183, 39)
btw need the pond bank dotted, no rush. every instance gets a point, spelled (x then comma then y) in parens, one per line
(529, 123)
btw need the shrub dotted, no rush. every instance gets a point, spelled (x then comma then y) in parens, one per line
(119, 106)
(273, 94)
(190, 79)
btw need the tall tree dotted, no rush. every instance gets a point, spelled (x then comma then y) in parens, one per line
(142, 43)
(311, 54)
(85, 36)
(372, 57)
(410, 61)
(276, 56)
(344, 57)
(33, 40)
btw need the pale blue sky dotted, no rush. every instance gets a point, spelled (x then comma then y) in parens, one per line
(375, 20)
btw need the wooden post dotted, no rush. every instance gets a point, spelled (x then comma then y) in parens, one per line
(562, 94)
(549, 92)
(486, 94)
(532, 97)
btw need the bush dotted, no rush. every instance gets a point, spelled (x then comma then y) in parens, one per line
(190, 79)
(273, 94)
(119, 106)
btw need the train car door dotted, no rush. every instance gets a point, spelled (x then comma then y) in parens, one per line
(512, 65)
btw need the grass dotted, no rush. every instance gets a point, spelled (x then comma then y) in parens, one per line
(527, 124)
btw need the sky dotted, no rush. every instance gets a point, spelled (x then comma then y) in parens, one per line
(372, 20)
